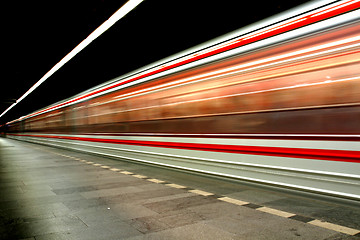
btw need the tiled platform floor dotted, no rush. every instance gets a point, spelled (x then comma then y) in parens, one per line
(48, 193)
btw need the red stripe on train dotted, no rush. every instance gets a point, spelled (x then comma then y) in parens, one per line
(313, 137)
(319, 154)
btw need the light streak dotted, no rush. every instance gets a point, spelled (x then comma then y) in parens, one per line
(335, 9)
(239, 94)
(254, 65)
(120, 13)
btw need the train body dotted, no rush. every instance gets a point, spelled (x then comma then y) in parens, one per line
(283, 111)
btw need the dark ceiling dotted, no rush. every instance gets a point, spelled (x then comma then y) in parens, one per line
(38, 34)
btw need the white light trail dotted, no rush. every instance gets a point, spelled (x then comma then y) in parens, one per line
(125, 9)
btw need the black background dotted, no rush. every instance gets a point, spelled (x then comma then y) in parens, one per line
(38, 34)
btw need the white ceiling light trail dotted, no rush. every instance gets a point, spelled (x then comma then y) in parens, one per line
(125, 9)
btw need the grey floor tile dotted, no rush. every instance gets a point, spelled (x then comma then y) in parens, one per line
(130, 210)
(38, 210)
(73, 190)
(92, 216)
(299, 206)
(167, 197)
(349, 217)
(45, 226)
(36, 201)
(198, 231)
(83, 204)
(55, 236)
(142, 195)
(148, 224)
(256, 196)
(35, 187)
(269, 227)
(217, 210)
(28, 195)
(111, 192)
(180, 218)
(180, 203)
(107, 231)
(121, 182)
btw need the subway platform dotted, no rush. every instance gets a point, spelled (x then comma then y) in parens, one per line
(48, 193)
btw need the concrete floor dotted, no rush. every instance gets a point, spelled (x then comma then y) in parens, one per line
(48, 193)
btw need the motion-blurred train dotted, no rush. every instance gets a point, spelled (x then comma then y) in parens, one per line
(276, 102)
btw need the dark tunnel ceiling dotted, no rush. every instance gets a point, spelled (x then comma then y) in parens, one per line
(38, 34)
